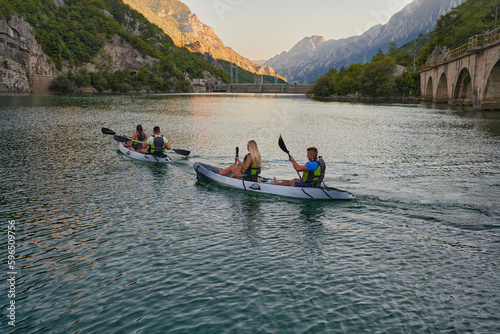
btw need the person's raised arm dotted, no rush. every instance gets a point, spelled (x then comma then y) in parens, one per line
(297, 167)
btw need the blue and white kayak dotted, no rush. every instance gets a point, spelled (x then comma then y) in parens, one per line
(267, 186)
(142, 156)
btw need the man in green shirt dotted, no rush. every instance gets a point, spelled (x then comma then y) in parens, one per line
(156, 144)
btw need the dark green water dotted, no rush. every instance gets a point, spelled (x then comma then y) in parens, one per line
(105, 244)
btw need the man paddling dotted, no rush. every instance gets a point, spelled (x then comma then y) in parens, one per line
(312, 171)
(156, 144)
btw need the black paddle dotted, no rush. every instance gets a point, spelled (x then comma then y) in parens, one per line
(107, 131)
(124, 139)
(237, 151)
(282, 145)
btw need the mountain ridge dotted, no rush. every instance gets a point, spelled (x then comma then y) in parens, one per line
(86, 44)
(185, 28)
(303, 63)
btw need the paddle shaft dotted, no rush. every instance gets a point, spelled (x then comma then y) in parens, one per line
(282, 145)
(124, 139)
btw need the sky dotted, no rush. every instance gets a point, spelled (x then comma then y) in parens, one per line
(261, 29)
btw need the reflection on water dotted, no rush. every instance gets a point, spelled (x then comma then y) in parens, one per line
(312, 212)
(247, 216)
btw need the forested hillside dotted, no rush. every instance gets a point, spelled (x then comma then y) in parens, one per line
(379, 78)
(471, 18)
(75, 33)
(376, 79)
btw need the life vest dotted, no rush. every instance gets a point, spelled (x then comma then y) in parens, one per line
(314, 179)
(252, 173)
(156, 148)
(135, 145)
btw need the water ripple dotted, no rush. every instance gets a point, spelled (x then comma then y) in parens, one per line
(110, 245)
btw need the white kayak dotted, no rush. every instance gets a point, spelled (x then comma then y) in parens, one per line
(142, 156)
(205, 171)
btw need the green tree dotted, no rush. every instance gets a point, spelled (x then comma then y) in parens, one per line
(461, 23)
(408, 84)
(62, 84)
(82, 78)
(377, 79)
(347, 85)
(324, 85)
(6, 9)
(101, 85)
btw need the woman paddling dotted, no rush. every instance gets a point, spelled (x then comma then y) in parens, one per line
(249, 168)
(140, 135)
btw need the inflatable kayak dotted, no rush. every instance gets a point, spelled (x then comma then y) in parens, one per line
(142, 156)
(267, 186)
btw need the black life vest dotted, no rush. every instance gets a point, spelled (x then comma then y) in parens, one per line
(252, 173)
(314, 179)
(157, 147)
(142, 137)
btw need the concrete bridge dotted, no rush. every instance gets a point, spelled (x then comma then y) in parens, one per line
(261, 88)
(468, 75)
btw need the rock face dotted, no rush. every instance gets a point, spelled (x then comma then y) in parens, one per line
(185, 28)
(313, 56)
(20, 56)
(120, 55)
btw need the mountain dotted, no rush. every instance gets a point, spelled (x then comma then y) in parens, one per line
(101, 44)
(185, 29)
(313, 56)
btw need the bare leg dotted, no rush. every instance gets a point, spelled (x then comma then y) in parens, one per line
(227, 171)
(286, 182)
(141, 150)
(233, 169)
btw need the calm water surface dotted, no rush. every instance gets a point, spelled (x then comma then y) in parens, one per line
(105, 244)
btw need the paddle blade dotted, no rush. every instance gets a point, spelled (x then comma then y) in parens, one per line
(121, 138)
(181, 152)
(282, 145)
(237, 151)
(107, 131)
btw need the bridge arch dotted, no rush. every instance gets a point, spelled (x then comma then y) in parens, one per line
(429, 90)
(492, 89)
(442, 89)
(471, 77)
(463, 87)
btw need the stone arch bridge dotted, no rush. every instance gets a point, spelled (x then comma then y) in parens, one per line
(468, 75)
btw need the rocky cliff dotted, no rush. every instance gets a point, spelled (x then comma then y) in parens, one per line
(118, 55)
(20, 56)
(185, 28)
(313, 56)
(22, 59)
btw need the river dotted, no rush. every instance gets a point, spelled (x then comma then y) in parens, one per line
(105, 244)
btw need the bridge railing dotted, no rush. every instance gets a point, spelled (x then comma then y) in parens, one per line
(475, 42)
(492, 36)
